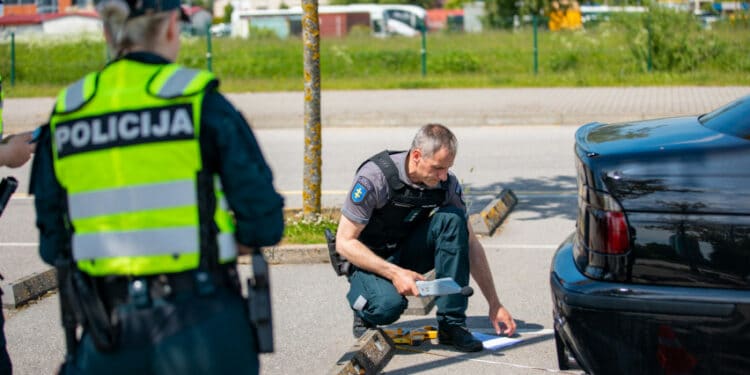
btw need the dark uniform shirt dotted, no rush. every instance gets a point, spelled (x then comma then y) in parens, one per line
(228, 148)
(370, 191)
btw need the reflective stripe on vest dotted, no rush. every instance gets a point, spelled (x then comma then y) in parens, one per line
(77, 94)
(74, 96)
(126, 151)
(135, 243)
(132, 198)
(147, 197)
(178, 82)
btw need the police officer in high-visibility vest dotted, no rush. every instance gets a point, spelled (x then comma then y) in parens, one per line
(147, 184)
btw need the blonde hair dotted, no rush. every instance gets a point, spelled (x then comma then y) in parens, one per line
(126, 33)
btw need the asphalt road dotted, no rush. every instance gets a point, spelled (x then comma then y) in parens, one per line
(312, 320)
(496, 150)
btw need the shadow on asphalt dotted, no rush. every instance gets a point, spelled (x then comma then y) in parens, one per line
(447, 359)
(544, 197)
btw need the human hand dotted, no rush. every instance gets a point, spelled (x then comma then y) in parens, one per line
(16, 149)
(500, 316)
(405, 282)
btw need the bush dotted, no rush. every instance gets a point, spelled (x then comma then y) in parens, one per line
(454, 62)
(674, 40)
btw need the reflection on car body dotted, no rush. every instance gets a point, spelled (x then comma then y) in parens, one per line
(656, 277)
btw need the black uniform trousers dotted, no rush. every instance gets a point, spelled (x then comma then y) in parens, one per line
(5, 366)
(183, 334)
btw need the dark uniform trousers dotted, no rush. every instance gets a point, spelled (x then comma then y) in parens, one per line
(5, 366)
(440, 243)
(184, 333)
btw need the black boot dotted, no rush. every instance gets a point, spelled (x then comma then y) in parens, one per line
(459, 337)
(360, 326)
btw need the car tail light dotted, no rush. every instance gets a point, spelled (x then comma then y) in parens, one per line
(617, 233)
(606, 223)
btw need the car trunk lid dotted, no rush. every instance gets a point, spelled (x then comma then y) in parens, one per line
(684, 191)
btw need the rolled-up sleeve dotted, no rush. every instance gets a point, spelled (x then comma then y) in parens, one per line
(230, 147)
(49, 201)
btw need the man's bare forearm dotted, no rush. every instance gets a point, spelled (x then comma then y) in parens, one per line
(480, 271)
(361, 256)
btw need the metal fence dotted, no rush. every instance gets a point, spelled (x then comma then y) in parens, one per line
(603, 53)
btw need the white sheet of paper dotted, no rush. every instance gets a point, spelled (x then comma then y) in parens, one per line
(492, 342)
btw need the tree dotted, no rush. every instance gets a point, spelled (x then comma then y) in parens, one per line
(228, 9)
(500, 13)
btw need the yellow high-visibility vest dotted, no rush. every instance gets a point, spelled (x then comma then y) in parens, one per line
(125, 144)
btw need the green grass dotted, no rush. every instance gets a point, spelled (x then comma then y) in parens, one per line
(600, 56)
(301, 230)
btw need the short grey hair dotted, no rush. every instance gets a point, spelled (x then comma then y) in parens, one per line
(432, 137)
(126, 32)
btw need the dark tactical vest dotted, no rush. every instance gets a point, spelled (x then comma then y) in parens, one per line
(406, 208)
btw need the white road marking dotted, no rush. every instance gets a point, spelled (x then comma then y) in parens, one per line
(21, 196)
(528, 332)
(20, 244)
(519, 246)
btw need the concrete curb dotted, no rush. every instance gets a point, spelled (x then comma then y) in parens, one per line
(485, 222)
(292, 254)
(21, 291)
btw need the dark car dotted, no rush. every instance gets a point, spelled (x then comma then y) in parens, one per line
(656, 277)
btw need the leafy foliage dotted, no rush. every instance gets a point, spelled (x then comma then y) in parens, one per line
(673, 40)
(228, 9)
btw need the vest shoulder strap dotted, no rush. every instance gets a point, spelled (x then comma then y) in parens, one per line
(385, 163)
(173, 81)
(76, 95)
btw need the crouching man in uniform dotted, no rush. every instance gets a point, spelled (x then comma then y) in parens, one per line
(405, 216)
(148, 183)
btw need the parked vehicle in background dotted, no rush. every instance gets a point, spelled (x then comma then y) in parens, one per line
(656, 277)
(336, 20)
(221, 29)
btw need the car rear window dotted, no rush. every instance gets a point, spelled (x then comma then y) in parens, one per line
(733, 118)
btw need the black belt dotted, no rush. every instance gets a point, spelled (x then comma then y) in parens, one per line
(117, 290)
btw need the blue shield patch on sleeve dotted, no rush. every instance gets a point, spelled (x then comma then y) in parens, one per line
(359, 191)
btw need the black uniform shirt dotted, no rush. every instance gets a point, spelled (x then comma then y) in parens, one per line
(228, 149)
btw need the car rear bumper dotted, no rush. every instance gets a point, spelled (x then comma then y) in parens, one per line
(625, 328)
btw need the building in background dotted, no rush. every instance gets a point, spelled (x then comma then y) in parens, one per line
(68, 17)
(445, 19)
(62, 24)
(20, 7)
